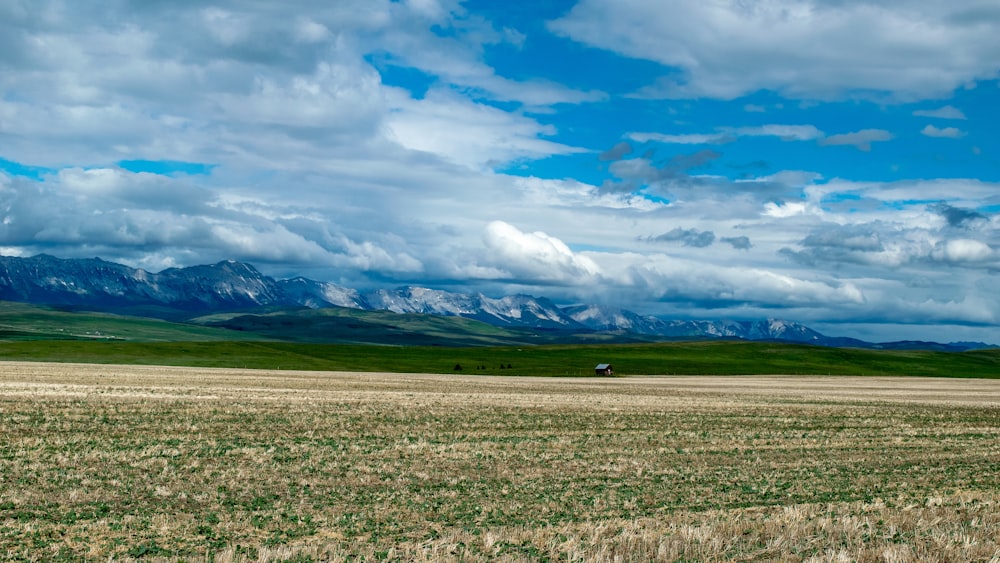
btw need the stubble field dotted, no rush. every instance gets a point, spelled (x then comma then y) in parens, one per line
(103, 462)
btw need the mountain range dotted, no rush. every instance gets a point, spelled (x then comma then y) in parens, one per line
(181, 294)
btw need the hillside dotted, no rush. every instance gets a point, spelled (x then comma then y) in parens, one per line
(20, 321)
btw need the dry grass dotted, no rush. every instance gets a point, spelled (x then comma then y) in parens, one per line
(100, 462)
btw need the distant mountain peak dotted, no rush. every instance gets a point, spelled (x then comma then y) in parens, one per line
(229, 285)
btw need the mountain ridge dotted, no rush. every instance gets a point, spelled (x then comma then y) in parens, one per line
(183, 293)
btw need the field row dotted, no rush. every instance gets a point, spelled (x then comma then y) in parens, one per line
(174, 463)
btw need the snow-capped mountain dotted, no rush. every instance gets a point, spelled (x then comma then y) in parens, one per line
(513, 310)
(422, 300)
(780, 330)
(226, 286)
(182, 293)
(601, 318)
(316, 295)
(529, 311)
(612, 319)
(97, 284)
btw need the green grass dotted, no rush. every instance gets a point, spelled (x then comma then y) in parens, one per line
(342, 339)
(342, 325)
(19, 321)
(684, 358)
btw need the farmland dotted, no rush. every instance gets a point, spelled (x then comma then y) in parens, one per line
(664, 358)
(179, 463)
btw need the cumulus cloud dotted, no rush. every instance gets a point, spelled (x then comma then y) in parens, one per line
(241, 78)
(920, 240)
(783, 210)
(151, 220)
(536, 256)
(310, 160)
(903, 50)
(369, 255)
(965, 251)
(861, 140)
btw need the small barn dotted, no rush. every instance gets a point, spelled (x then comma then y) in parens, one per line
(604, 369)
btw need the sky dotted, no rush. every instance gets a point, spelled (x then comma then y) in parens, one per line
(830, 162)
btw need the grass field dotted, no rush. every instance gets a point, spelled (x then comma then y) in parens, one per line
(23, 322)
(154, 463)
(675, 358)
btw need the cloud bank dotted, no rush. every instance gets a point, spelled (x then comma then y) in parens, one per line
(826, 162)
(804, 50)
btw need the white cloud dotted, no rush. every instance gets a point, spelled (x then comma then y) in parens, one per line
(783, 132)
(108, 209)
(964, 251)
(429, 9)
(536, 256)
(958, 191)
(321, 165)
(687, 139)
(468, 133)
(310, 31)
(456, 58)
(685, 280)
(730, 134)
(861, 140)
(244, 77)
(541, 193)
(335, 99)
(225, 26)
(945, 132)
(801, 49)
(784, 210)
(946, 112)
(270, 243)
(370, 256)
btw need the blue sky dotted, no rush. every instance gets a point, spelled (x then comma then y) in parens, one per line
(835, 164)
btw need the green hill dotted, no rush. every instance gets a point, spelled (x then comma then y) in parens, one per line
(352, 340)
(20, 321)
(680, 358)
(342, 325)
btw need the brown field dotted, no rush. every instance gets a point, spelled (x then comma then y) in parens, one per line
(176, 464)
